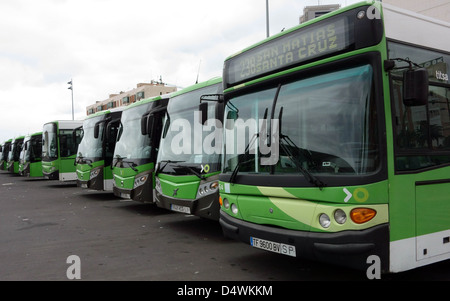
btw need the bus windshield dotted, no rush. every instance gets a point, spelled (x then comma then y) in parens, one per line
(49, 142)
(14, 154)
(33, 150)
(324, 124)
(131, 144)
(25, 153)
(185, 140)
(91, 147)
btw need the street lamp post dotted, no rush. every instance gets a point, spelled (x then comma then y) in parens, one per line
(267, 17)
(71, 88)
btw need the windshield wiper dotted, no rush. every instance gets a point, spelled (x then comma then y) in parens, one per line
(166, 162)
(131, 164)
(121, 160)
(311, 178)
(199, 175)
(250, 143)
(83, 160)
(238, 166)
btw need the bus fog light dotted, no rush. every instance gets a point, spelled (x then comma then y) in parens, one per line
(226, 203)
(324, 220)
(340, 217)
(234, 208)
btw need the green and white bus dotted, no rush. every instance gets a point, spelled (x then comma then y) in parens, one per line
(14, 155)
(30, 163)
(354, 165)
(189, 154)
(137, 148)
(1, 155)
(96, 149)
(59, 148)
(6, 147)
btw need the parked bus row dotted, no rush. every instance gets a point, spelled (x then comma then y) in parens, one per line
(329, 141)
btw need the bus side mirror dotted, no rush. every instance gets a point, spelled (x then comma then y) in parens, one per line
(219, 110)
(151, 124)
(144, 121)
(111, 130)
(415, 87)
(203, 109)
(96, 130)
(76, 133)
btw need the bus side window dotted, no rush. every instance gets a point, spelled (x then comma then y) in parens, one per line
(422, 128)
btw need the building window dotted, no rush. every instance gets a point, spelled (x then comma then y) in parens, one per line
(139, 95)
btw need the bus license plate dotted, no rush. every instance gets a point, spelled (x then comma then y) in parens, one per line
(125, 195)
(273, 246)
(182, 209)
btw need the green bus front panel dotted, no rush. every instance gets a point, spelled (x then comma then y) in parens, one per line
(91, 175)
(50, 169)
(35, 169)
(136, 184)
(290, 219)
(31, 169)
(187, 194)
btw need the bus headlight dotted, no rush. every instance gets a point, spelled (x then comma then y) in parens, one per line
(207, 188)
(234, 208)
(140, 180)
(157, 184)
(324, 220)
(94, 173)
(340, 217)
(226, 203)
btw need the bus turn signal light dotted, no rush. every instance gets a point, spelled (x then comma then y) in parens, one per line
(362, 215)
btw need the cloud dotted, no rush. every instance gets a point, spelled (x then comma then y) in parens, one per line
(108, 46)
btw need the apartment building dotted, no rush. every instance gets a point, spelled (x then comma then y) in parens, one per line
(142, 91)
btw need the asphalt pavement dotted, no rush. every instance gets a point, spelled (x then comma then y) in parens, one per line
(55, 231)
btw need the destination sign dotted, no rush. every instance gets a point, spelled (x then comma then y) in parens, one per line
(301, 45)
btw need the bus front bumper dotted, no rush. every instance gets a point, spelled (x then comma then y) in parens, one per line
(51, 175)
(347, 248)
(206, 207)
(95, 182)
(143, 193)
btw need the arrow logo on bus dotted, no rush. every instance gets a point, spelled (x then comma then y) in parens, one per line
(348, 193)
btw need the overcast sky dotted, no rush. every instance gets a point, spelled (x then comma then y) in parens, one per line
(108, 46)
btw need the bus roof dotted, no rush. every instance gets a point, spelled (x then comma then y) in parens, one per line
(432, 32)
(209, 82)
(425, 31)
(67, 124)
(305, 24)
(104, 112)
(34, 134)
(147, 100)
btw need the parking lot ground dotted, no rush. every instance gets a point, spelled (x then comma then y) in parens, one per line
(44, 222)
